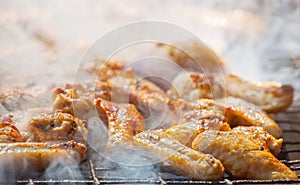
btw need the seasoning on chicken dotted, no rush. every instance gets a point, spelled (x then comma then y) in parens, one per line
(121, 85)
(201, 109)
(241, 155)
(179, 158)
(107, 69)
(271, 97)
(124, 121)
(242, 113)
(79, 100)
(261, 135)
(36, 156)
(194, 86)
(196, 118)
(8, 132)
(58, 126)
(237, 113)
(152, 101)
(186, 133)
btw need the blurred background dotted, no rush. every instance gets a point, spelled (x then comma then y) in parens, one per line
(41, 42)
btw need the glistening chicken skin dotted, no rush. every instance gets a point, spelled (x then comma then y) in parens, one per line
(236, 111)
(123, 121)
(242, 156)
(241, 113)
(9, 133)
(270, 97)
(179, 158)
(58, 126)
(126, 131)
(36, 156)
(196, 118)
(262, 137)
(79, 99)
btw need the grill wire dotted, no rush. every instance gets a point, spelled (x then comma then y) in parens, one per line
(289, 121)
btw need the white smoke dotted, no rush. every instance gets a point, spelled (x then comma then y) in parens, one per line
(61, 169)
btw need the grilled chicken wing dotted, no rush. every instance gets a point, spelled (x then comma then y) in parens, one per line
(127, 87)
(178, 158)
(107, 69)
(68, 101)
(8, 132)
(119, 84)
(236, 111)
(186, 133)
(201, 109)
(79, 100)
(29, 157)
(151, 100)
(242, 113)
(194, 86)
(261, 135)
(194, 119)
(56, 126)
(271, 97)
(124, 121)
(241, 155)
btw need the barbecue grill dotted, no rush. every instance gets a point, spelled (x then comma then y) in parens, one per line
(289, 121)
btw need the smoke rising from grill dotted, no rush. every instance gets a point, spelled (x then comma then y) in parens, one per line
(63, 168)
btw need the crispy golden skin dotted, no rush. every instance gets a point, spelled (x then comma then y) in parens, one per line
(68, 101)
(242, 113)
(79, 100)
(8, 132)
(186, 133)
(107, 69)
(236, 111)
(125, 126)
(271, 97)
(261, 135)
(195, 111)
(19, 119)
(154, 104)
(149, 99)
(194, 119)
(242, 156)
(36, 156)
(194, 86)
(58, 126)
(137, 90)
(117, 84)
(179, 158)
(124, 121)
